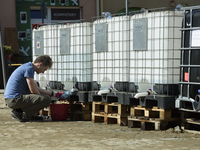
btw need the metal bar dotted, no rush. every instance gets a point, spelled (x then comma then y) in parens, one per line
(195, 83)
(42, 8)
(189, 65)
(127, 7)
(191, 7)
(189, 57)
(97, 6)
(184, 99)
(182, 54)
(194, 28)
(2, 59)
(196, 48)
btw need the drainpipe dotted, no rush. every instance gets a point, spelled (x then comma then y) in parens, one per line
(81, 9)
(42, 10)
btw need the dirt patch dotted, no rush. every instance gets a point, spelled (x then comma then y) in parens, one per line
(84, 135)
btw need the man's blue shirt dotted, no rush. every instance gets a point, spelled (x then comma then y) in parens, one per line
(17, 83)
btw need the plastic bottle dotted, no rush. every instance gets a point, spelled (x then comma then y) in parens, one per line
(73, 89)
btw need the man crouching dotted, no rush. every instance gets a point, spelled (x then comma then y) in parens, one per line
(22, 93)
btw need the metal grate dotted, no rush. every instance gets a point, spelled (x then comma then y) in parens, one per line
(189, 66)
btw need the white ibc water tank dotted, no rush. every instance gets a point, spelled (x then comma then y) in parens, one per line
(159, 62)
(112, 64)
(49, 47)
(74, 64)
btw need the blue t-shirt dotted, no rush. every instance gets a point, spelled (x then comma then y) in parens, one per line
(17, 84)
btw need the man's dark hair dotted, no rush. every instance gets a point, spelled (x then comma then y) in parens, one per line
(45, 59)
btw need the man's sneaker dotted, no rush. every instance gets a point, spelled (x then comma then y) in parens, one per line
(18, 115)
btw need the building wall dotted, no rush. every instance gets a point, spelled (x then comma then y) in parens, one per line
(89, 8)
(7, 18)
(113, 6)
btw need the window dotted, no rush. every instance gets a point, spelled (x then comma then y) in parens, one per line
(23, 17)
(52, 2)
(36, 14)
(62, 2)
(22, 35)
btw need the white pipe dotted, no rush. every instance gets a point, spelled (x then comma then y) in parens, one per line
(142, 94)
(103, 92)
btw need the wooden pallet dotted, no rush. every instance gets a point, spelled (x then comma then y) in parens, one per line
(185, 113)
(80, 111)
(190, 121)
(147, 124)
(153, 118)
(191, 125)
(109, 113)
(155, 112)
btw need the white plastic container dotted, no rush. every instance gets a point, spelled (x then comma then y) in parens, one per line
(160, 62)
(74, 66)
(112, 65)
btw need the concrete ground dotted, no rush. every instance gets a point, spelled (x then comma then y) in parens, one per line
(85, 135)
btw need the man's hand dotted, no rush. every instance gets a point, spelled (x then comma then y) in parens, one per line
(58, 94)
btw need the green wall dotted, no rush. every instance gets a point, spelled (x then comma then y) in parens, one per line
(25, 44)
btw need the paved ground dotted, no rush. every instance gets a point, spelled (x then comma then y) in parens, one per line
(85, 135)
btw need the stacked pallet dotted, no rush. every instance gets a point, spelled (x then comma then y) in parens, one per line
(153, 118)
(109, 113)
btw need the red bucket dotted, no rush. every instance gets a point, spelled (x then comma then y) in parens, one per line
(59, 112)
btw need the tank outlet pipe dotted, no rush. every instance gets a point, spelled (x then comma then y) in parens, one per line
(142, 94)
(196, 102)
(197, 98)
(103, 92)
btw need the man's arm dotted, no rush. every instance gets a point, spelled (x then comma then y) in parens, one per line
(32, 85)
(34, 89)
(43, 91)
